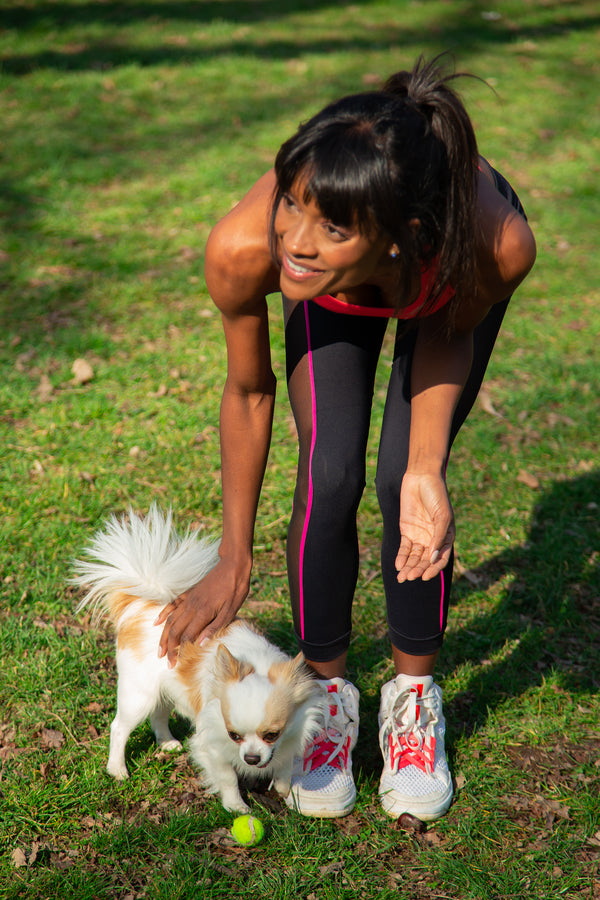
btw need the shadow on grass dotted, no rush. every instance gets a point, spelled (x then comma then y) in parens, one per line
(462, 27)
(546, 620)
(99, 142)
(549, 617)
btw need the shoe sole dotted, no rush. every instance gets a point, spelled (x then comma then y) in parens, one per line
(308, 806)
(423, 811)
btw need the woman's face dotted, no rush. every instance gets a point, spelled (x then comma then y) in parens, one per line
(319, 257)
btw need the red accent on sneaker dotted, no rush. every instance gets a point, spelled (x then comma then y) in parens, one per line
(408, 750)
(318, 753)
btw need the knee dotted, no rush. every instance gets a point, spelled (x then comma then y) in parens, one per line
(335, 486)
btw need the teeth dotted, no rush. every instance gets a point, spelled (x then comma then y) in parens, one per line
(301, 270)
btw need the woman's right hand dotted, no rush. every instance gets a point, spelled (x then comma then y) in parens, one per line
(198, 613)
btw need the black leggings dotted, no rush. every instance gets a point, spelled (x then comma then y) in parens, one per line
(331, 362)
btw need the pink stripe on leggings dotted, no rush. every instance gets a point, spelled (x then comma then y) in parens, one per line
(442, 572)
(309, 498)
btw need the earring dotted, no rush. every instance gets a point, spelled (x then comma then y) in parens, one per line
(393, 254)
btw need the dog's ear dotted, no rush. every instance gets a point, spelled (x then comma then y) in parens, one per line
(228, 668)
(298, 676)
(299, 666)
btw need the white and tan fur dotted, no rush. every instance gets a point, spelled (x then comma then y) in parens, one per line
(253, 706)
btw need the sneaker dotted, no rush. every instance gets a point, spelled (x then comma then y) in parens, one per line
(415, 777)
(322, 782)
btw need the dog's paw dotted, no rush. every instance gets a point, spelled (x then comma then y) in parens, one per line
(282, 786)
(118, 771)
(171, 745)
(234, 804)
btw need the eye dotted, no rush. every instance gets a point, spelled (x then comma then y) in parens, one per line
(335, 232)
(271, 736)
(235, 737)
(288, 202)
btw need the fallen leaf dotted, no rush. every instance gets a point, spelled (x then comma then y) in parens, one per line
(18, 858)
(52, 739)
(431, 838)
(332, 869)
(82, 371)
(528, 478)
(371, 78)
(45, 389)
(33, 854)
(485, 401)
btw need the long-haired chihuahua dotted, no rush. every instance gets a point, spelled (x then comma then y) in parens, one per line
(252, 705)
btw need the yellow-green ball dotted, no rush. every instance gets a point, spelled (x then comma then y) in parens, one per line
(248, 830)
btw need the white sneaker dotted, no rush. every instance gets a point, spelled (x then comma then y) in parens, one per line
(322, 782)
(415, 777)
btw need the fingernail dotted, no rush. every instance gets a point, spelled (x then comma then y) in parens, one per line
(434, 556)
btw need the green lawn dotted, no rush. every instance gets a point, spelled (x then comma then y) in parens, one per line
(128, 129)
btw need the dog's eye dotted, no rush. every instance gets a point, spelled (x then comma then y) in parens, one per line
(271, 736)
(235, 737)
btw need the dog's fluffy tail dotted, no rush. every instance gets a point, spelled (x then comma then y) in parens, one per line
(143, 557)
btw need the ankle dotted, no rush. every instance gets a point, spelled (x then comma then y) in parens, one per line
(335, 668)
(414, 666)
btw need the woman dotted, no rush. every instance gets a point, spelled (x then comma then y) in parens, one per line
(378, 208)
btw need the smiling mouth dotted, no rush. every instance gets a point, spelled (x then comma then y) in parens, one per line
(297, 270)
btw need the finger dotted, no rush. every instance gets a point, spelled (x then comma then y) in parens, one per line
(402, 555)
(221, 620)
(415, 564)
(178, 634)
(443, 534)
(442, 561)
(407, 552)
(189, 628)
(166, 612)
(174, 626)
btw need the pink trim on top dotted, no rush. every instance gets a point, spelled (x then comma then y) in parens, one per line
(309, 499)
(413, 311)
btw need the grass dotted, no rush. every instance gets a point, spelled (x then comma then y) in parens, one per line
(128, 129)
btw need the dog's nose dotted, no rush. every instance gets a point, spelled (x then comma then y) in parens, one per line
(252, 759)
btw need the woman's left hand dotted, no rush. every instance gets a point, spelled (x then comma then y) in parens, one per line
(426, 526)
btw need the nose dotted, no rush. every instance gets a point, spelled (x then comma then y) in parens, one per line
(298, 239)
(252, 759)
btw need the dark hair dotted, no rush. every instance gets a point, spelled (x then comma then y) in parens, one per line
(377, 160)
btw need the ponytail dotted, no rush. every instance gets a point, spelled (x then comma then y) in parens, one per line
(427, 89)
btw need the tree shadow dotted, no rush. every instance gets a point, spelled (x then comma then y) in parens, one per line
(461, 29)
(546, 621)
(82, 134)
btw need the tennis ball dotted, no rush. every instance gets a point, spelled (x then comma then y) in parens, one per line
(248, 830)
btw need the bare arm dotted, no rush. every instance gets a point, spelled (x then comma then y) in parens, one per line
(239, 274)
(441, 365)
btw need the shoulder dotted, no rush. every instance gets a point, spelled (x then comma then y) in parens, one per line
(506, 246)
(505, 253)
(239, 269)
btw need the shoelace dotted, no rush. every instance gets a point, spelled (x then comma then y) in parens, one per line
(332, 746)
(410, 742)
